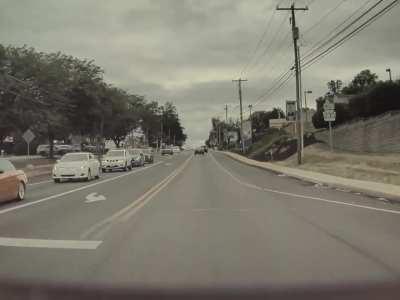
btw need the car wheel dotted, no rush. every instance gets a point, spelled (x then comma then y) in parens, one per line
(56, 180)
(21, 191)
(104, 170)
(89, 176)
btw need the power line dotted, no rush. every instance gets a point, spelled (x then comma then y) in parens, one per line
(261, 39)
(323, 18)
(268, 47)
(350, 35)
(326, 42)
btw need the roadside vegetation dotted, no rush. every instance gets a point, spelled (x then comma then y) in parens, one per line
(57, 95)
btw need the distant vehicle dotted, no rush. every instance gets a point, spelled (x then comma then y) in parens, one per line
(76, 147)
(58, 149)
(205, 148)
(199, 150)
(137, 157)
(62, 149)
(117, 159)
(176, 149)
(77, 165)
(12, 182)
(148, 155)
(166, 151)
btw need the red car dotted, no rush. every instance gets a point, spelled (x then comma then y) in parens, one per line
(12, 182)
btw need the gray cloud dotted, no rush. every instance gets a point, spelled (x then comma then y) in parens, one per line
(188, 51)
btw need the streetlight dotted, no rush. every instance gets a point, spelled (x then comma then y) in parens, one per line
(390, 73)
(305, 102)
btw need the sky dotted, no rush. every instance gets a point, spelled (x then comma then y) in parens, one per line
(189, 51)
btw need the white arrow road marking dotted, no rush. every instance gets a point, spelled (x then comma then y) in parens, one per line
(44, 243)
(93, 198)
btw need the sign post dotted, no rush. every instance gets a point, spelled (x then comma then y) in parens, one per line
(330, 116)
(28, 136)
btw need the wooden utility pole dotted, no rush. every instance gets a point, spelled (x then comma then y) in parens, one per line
(295, 32)
(226, 113)
(239, 81)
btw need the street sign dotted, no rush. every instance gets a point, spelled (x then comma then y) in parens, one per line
(291, 110)
(28, 136)
(329, 116)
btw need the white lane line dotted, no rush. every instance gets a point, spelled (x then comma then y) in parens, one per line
(397, 212)
(128, 211)
(40, 182)
(45, 243)
(75, 190)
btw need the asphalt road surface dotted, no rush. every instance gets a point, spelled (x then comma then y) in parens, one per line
(198, 221)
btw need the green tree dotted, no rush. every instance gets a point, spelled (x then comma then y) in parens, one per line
(361, 82)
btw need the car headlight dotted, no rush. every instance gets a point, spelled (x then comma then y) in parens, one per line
(83, 167)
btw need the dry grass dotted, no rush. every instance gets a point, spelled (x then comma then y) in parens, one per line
(372, 167)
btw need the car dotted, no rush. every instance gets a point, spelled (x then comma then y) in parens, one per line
(176, 149)
(76, 165)
(199, 150)
(117, 159)
(12, 181)
(205, 149)
(62, 149)
(148, 155)
(137, 157)
(165, 151)
(43, 150)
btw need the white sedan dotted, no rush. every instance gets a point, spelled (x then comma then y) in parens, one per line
(78, 165)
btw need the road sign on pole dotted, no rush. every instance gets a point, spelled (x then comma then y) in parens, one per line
(28, 136)
(329, 116)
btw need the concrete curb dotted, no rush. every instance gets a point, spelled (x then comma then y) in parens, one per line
(376, 189)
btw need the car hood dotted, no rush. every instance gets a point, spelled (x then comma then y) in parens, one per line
(71, 164)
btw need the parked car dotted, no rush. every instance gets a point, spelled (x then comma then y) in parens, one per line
(137, 156)
(199, 150)
(176, 149)
(12, 182)
(165, 151)
(43, 150)
(117, 159)
(62, 149)
(205, 148)
(148, 155)
(77, 165)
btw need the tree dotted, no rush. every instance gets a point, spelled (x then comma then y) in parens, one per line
(361, 82)
(334, 86)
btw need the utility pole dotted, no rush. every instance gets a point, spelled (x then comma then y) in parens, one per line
(250, 107)
(390, 73)
(295, 32)
(239, 81)
(226, 113)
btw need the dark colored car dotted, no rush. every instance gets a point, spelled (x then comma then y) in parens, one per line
(199, 150)
(148, 155)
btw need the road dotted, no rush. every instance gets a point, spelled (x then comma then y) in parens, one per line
(198, 221)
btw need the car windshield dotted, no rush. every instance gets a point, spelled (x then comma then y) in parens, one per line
(74, 157)
(6, 165)
(114, 153)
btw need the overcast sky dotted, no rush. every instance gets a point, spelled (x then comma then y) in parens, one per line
(188, 52)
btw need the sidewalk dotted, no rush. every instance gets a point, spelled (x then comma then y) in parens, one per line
(377, 189)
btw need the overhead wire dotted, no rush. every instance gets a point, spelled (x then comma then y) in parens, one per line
(350, 35)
